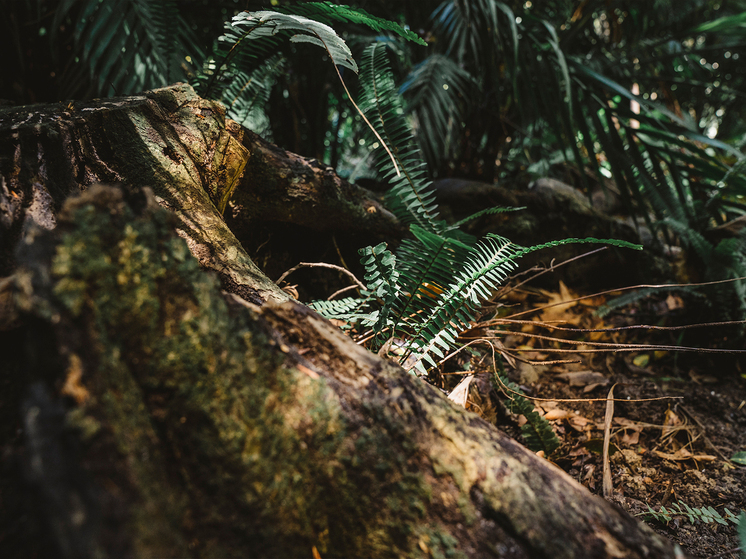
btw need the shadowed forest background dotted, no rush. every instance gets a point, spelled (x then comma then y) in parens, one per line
(580, 119)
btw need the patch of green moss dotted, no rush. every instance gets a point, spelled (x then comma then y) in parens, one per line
(209, 420)
(440, 545)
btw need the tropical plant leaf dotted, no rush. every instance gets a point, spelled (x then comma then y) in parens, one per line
(129, 45)
(437, 90)
(329, 13)
(250, 36)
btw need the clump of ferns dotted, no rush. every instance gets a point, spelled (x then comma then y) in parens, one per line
(416, 301)
(420, 298)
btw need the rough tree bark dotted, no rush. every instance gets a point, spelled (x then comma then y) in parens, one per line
(155, 409)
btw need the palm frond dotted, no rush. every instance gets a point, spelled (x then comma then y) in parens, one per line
(131, 45)
(470, 29)
(437, 90)
(250, 37)
(328, 13)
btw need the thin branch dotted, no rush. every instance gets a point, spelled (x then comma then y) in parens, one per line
(383, 144)
(321, 265)
(641, 348)
(454, 353)
(605, 346)
(643, 286)
(497, 321)
(537, 399)
(552, 268)
(340, 291)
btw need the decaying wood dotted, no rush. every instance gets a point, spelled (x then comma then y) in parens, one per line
(281, 186)
(185, 149)
(166, 417)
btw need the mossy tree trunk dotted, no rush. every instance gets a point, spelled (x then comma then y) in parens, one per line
(153, 408)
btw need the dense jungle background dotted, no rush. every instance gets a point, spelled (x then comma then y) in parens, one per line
(606, 119)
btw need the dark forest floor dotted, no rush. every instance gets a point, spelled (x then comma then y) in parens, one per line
(664, 452)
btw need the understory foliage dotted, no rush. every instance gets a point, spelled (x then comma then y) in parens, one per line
(643, 98)
(127, 46)
(646, 94)
(245, 62)
(537, 432)
(420, 298)
(705, 514)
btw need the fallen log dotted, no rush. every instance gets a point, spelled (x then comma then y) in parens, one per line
(195, 161)
(163, 416)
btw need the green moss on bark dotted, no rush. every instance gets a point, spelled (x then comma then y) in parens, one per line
(230, 448)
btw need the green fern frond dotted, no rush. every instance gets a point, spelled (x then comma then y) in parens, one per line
(537, 431)
(485, 269)
(349, 309)
(410, 196)
(382, 280)
(427, 264)
(380, 270)
(477, 215)
(706, 514)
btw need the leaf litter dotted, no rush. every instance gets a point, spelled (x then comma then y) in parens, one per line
(657, 452)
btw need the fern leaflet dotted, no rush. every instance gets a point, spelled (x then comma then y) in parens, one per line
(537, 432)
(410, 196)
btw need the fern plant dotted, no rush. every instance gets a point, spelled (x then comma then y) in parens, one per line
(421, 297)
(537, 432)
(705, 514)
(431, 289)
